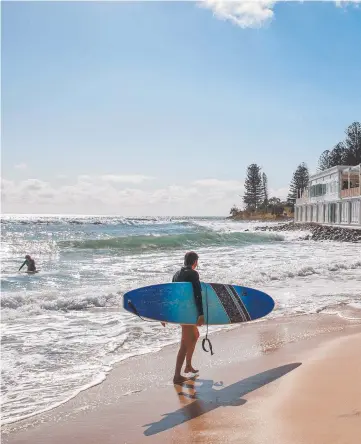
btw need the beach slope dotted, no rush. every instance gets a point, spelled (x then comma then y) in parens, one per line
(295, 380)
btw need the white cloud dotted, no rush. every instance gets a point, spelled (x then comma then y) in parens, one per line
(246, 14)
(344, 3)
(224, 185)
(252, 13)
(90, 195)
(127, 178)
(33, 185)
(278, 192)
(84, 178)
(21, 166)
(7, 187)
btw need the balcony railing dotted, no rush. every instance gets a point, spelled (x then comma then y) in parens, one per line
(351, 192)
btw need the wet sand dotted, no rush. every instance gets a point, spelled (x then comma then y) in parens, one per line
(295, 380)
(327, 408)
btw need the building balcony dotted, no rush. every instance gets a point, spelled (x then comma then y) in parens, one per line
(351, 192)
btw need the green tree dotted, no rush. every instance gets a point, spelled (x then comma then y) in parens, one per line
(324, 161)
(275, 201)
(253, 196)
(276, 206)
(337, 155)
(344, 153)
(329, 159)
(234, 211)
(352, 144)
(265, 190)
(298, 183)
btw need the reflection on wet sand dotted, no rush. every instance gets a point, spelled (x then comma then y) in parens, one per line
(187, 393)
(208, 396)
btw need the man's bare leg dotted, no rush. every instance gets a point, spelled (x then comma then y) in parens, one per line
(178, 378)
(190, 336)
(193, 335)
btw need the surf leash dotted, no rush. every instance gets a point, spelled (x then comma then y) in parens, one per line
(131, 305)
(206, 340)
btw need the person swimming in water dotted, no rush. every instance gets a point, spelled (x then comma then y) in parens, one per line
(30, 263)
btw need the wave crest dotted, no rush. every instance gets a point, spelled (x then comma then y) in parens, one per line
(164, 242)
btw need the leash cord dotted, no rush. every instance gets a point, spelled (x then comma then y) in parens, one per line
(131, 305)
(206, 340)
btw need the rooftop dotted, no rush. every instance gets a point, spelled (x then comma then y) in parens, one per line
(335, 169)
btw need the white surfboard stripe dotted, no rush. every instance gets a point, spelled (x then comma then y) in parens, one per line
(236, 303)
(239, 304)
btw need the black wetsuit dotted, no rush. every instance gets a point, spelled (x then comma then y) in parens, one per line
(187, 274)
(30, 263)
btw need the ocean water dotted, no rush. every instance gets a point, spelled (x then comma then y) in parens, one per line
(63, 329)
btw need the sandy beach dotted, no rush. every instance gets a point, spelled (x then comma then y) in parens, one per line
(294, 380)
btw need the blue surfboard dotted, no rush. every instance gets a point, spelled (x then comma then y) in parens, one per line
(222, 304)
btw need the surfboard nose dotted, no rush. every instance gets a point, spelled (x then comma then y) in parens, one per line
(269, 302)
(257, 303)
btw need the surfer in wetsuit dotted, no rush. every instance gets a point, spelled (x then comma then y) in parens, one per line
(190, 333)
(30, 263)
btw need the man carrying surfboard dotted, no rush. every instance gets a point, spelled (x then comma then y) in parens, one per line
(30, 263)
(190, 333)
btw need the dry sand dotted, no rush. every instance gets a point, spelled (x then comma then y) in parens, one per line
(294, 380)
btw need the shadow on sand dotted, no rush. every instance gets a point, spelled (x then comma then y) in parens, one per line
(208, 398)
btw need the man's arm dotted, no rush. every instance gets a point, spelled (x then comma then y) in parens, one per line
(197, 290)
(22, 265)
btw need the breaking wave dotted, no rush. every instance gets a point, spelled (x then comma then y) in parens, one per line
(94, 220)
(164, 242)
(53, 301)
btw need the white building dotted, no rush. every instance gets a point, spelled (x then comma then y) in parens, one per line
(332, 196)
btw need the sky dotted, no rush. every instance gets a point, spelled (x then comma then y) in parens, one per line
(157, 108)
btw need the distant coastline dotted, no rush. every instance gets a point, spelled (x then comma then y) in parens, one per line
(258, 216)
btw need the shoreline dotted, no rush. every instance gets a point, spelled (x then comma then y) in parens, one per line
(101, 377)
(121, 390)
(260, 218)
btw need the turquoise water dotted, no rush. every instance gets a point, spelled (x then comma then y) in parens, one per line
(63, 328)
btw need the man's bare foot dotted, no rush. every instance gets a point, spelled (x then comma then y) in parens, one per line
(190, 369)
(179, 379)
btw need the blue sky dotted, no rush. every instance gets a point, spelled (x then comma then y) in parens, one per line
(158, 107)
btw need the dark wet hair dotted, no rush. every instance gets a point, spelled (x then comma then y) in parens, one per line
(190, 258)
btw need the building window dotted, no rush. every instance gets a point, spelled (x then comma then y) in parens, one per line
(318, 190)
